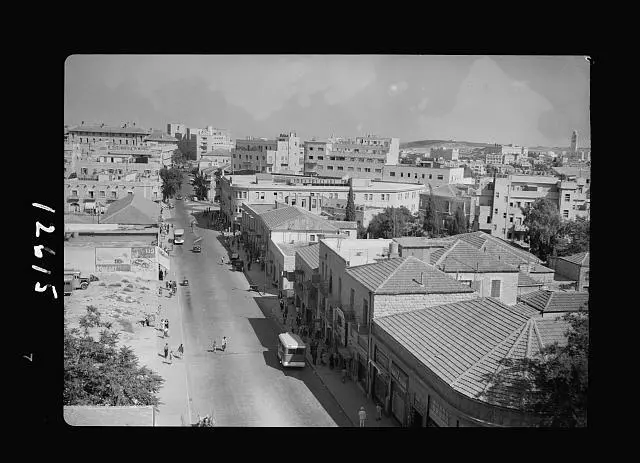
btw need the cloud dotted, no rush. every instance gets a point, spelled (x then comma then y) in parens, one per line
(490, 108)
(397, 88)
(259, 84)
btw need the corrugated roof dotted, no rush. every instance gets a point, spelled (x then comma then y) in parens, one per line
(462, 257)
(132, 210)
(464, 343)
(291, 249)
(556, 301)
(581, 258)
(310, 255)
(108, 416)
(402, 275)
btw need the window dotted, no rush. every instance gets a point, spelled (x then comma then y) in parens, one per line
(74, 192)
(430, 176)
(350, 169)
(359, 169)
(497, 194)
(504, 215)
(422, 175)
(340, 168)
(244, 195)
(495, 288)
(496, 211)
(565, 213)
(382, 197)
(352, 295)
(320, 158)
(329, 167)
(114, 194)
(378, 171)
(440, 177)
(312, 237)
(466, 282)
(488, 219)
(103, 194)
(367, 169)
(567, 197)
(365, 312)
(91, 194)
(510, 204)
(518, 203)
(392, 174)
(511, 219)
(401, 174)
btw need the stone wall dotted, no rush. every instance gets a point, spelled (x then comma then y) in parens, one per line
(395, 304)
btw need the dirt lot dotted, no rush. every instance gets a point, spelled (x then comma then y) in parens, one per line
(122, 300)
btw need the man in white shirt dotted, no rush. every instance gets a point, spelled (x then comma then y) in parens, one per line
(363, 416)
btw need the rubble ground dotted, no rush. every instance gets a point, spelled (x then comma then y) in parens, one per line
(123, 300)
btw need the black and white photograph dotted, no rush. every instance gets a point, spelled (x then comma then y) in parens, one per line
(323, 241)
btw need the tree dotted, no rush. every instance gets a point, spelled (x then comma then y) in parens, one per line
(390, 223)
(575, 237)
(171, 182)
(543, 222)
(458, 223)
(98, 373)
(431, 222)
(201, 185)
(362, 231)
(553, 385)
(350, 211)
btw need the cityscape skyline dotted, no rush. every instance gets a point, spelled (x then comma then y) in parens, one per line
(524, 100)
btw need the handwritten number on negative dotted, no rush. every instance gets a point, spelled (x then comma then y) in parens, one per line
(39, 227)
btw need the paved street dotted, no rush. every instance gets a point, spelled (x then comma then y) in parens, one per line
(245, 385)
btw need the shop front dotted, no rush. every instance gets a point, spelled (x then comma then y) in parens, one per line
(398, 396)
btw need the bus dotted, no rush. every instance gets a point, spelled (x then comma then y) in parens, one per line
(178, 236)
(291, 350)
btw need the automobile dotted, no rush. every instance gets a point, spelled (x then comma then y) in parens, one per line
(197, 248)
(179, 197)
(118, 261)
(235, 256)
(74, 280)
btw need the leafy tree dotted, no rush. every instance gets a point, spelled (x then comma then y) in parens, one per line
(390, 223)
(350, 211)
(543, 222)
(171, 182)
(576, 236)
(431, 222)
(201, 185)
(459, 222)
(553, 385)
(362, 231)
(98, 373)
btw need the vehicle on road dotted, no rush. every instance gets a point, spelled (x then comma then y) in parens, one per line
(179, 198)
(237, 265)
(291, 350)
(73, 279)
(196, 244)
(178, 236)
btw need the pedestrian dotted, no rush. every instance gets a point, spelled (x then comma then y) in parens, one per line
(281, 305)
(362, 415)
(166, 350)
(214, 347)
(249, 266)
(314, 354)
(224, 343)
(146, 320)
(344, 374)
(170, 356)
(166, 332)
(181, 350)
(379, 411)
(166, 323)
(331, 361)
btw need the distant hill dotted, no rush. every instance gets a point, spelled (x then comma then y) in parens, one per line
(445, 143)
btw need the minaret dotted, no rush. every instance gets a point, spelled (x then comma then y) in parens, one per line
(574, 141)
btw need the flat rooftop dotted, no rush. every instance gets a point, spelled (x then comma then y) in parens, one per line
(376, 186)
(359, 252)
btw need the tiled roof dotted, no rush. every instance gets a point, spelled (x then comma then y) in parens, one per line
(420, 242)
(552, 329)
(108, 416)
(275, 217)
(289, 249)
(311, 255)
(476, 239)
(342, 224)
(580, 259)
(402, 275)
(463, 343)
(526, 280)
(296, 218)
(161, 136)
(556, 301)
(462, 257)
(132, 210)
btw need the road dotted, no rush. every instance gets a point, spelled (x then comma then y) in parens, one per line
(245, 385)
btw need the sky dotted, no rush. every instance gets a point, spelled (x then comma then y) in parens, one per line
(524, 100)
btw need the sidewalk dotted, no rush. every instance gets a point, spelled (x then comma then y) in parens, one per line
(348, 394)
(174, 408)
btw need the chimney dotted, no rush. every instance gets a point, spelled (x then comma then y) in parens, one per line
(393, 250)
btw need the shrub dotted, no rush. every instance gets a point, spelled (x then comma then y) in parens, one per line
(130, 285)
(115, 284)
(127, 289)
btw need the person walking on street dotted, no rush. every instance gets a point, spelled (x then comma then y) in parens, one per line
(214, 347)
(166, 350)
(344, 373)
(379, 411)
(224, 343)
(362, 415)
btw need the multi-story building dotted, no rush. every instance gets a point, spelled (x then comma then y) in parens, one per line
(176, 130)
(282, 155)
(94, 193)
(121, 161)
(424, 175)
(217, 158)
(574, 268)
(447, 199)
(310, 193)
(126, 134)
(447, 154)
(197, 141)
(359, 157)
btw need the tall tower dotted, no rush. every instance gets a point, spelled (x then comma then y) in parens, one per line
(574, 141)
